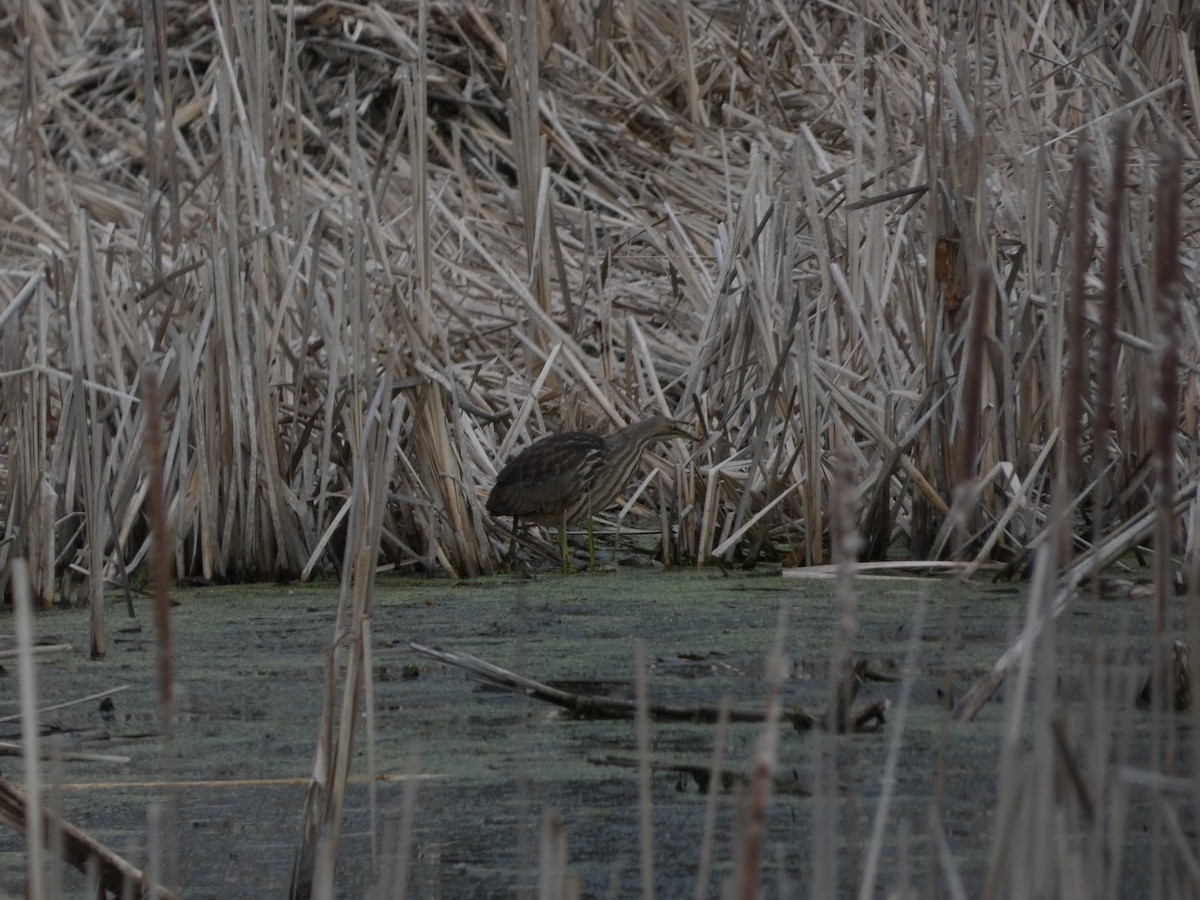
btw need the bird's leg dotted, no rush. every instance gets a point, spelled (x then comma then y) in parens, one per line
(562, 540)
(512, 543)
(591, 545)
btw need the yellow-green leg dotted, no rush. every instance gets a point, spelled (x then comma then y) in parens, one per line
(512, 545)
(591, 546)
(562, 543)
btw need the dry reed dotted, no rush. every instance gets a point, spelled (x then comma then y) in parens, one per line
(556, 229)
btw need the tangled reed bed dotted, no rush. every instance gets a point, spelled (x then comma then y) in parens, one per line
(829, 237)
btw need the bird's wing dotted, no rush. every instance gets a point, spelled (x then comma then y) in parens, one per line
(547, 476)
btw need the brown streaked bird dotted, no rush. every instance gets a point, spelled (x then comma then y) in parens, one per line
(566, 477)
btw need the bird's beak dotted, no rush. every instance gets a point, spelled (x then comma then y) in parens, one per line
(680, 431)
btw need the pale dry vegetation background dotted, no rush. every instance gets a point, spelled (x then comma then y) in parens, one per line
(771, 219)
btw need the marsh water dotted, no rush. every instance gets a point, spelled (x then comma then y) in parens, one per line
(250, 665)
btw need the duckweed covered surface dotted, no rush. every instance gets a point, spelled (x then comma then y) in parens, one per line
(251, 667)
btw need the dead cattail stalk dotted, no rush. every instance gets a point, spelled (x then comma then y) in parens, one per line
(1076, 374)
(1105, 343)
(1168, 324)
(1106, 381)
(749, 856)
(974, 371)
(641, 677)
(716, 771)
(160, 556)
(846, 543)
(866, 888)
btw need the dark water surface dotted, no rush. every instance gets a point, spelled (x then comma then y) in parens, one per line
(251, 661)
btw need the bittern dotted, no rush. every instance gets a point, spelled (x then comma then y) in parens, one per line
(565, 477)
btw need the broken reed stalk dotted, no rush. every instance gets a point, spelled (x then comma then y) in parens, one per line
(716, 769)
(160, 555)
(552, 858)
(888, 780)
(112, 873)
(35, 833)
(845, 542)
(1009, 849)
(160, 586)
(403, 852)
(89, 446)
(321, 818)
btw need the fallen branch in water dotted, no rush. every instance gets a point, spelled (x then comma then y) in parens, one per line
(702, 776)
(589, 707)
